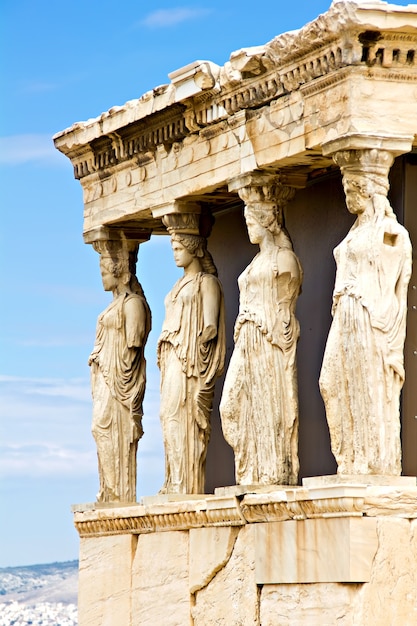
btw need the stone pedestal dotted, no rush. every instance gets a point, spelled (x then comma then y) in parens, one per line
(319, 555)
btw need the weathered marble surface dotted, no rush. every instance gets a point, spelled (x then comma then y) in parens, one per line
(297, 503)
(317, 604)
(159, 587)
(363, 371)
(388, 599)
(304, 550)
(105, 579)
(259, 406)
(388, 501)
(300, 503)
(194, 513)
(394, 571)
(118, 372)
(367, 480)
(191, 351)
(210, 550)
(232, 596)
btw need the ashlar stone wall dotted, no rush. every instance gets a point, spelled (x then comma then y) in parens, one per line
(335, 554)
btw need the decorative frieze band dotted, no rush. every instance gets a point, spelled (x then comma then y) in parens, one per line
(292, 503)
(394, 55)
(137, 140)
(180, 515)
(397, 52)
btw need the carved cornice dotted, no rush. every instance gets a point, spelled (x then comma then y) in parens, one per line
(394, 57)
(288, 503)
(253, 508)
(281, 511)
(138, 140)
(382, 40)
(303, 504)
(355, 25)
(251, 94)
(324, 59)
(182, 515)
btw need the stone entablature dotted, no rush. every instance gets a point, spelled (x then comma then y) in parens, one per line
(263, 505)
(263, 109)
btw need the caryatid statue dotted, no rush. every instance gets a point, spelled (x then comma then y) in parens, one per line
(191, 351)
(363, 372)
(259, 406)
(118, 371)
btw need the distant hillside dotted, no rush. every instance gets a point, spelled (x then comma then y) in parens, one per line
(32, 584)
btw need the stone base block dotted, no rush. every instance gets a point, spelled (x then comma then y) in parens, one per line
(160, 586)
(315, 550)
(105, 573)
(333, 554)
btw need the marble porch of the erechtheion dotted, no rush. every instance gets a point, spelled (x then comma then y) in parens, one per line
(363, 372)
(259, 405)
(191, 352)
(118, 373)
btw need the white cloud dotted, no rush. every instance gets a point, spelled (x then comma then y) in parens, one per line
(77, 389)
(45, 427)
(163, 18)
(35, 410)
(46, 458)
(18, 149)
(46, 430)
(39, 86)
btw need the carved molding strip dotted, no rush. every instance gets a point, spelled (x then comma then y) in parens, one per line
(253, 95)
(294, 503)
(395, 51)
(180, 515)
(258, 509)
(254, 508)
(140, 141)
(392, 56)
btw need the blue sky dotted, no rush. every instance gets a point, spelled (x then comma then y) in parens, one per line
(63, 62)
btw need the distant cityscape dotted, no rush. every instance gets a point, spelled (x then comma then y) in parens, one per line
(39, 595)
